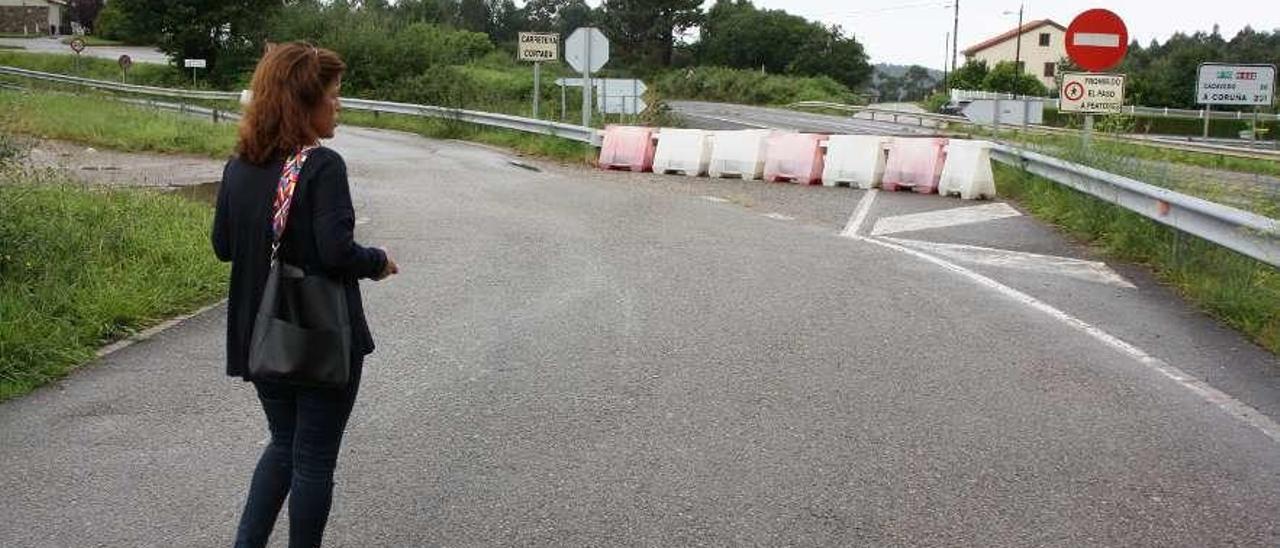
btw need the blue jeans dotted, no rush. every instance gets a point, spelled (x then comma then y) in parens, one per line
(306, 431)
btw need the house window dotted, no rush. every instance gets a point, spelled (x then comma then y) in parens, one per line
(1044, 39)
(1049, 69)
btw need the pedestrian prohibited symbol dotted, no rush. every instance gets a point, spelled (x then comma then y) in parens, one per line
(1074, 91)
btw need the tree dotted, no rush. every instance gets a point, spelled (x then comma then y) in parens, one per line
(650, 26)
(227, 33)
(474, 15)
(84, 12)
(969, 76)
(1005, 77)
(737, 34)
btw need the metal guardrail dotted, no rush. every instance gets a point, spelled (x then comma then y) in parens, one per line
(1250, 234)
(505, 121)
(1237, 152)
(204, 95)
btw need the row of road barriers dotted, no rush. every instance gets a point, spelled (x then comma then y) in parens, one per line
(921, 164)
(855, 162)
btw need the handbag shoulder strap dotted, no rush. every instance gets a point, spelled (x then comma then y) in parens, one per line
(284, 194)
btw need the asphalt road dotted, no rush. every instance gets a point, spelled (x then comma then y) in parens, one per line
(728, 116)
(577, 358)
(55, 45)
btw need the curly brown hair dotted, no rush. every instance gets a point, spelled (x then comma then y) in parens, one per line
(289, 84)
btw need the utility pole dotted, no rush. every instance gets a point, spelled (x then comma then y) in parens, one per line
(946, 50)
(955, 35)
(1017, 53)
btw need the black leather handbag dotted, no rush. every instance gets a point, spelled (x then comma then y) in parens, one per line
(302, 333)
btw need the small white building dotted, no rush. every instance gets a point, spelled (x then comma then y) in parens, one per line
(1043, 45)
(32, 17)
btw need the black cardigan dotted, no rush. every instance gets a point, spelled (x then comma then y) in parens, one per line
(319, 237)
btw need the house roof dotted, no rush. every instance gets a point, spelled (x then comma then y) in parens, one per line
(1027, 27)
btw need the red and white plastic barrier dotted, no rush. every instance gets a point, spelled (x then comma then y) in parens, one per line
(968, 170)
(915, 163)
(794, 157)
(855, 160)
(627, 147)
(738, 153)
(686, 151)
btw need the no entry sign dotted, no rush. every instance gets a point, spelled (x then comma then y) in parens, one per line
(1097, 40)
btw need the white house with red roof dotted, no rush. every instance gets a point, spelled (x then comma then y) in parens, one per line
(1043, 46)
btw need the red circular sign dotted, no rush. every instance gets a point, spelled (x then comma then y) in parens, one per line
(1073, 91)
(1097, 40)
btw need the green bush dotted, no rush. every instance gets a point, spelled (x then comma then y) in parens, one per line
(83, 266)
(749, 86)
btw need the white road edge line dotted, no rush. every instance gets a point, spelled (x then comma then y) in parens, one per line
(1080, 269)
(1236, 408)
(860, 214)
(151, 332)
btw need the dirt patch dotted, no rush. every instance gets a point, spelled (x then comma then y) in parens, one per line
(108, 167)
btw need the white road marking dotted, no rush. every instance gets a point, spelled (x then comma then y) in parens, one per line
(716, 199)
(779, 217)
(1240, 410)
(860, 214)
(1090, 271)
(1096, 39)
(943, 218)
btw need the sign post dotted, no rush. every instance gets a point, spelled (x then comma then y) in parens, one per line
(1244, 85)
(125, 63)
(538, 47)
(194, 64)
(77, 45)
(1096, 41)
(586, 50)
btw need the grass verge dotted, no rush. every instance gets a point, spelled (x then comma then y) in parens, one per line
(95, 68)
(100, 122)
(83, 266)
(1236, 289)
(545, 146)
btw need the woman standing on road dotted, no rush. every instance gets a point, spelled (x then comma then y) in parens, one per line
(294, 105)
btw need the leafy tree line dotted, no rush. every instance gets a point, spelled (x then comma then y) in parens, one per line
(1164, 75)
(1159, 75)
(648, 35)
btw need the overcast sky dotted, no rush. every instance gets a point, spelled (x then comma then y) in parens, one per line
(913, 31)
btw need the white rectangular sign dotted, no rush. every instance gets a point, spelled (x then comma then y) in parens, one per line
(194, 63)
(539, 46)
(1221, 84)
(1091, 93)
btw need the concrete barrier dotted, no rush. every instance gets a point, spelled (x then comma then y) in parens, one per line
(738, 153)
(967, 171)
(686, 151)
(915, 163)
(794, 157)
(855, 160)
(627, 147)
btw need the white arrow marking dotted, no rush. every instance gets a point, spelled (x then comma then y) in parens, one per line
(1089, 271)
(943, 218)
(1096, 39)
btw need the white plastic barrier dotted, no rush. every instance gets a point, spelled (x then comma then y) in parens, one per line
(856, 160)
(967, 171)
(686, 151)
(739, 153)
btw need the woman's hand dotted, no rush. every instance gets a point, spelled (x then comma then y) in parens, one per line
(390, 269)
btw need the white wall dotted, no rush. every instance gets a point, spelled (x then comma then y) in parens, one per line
(1034, 56)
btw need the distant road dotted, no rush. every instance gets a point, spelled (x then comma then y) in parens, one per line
(54, 45)
(728, 116)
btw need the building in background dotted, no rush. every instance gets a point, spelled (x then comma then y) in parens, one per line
(1043, 45)
(31, 17)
